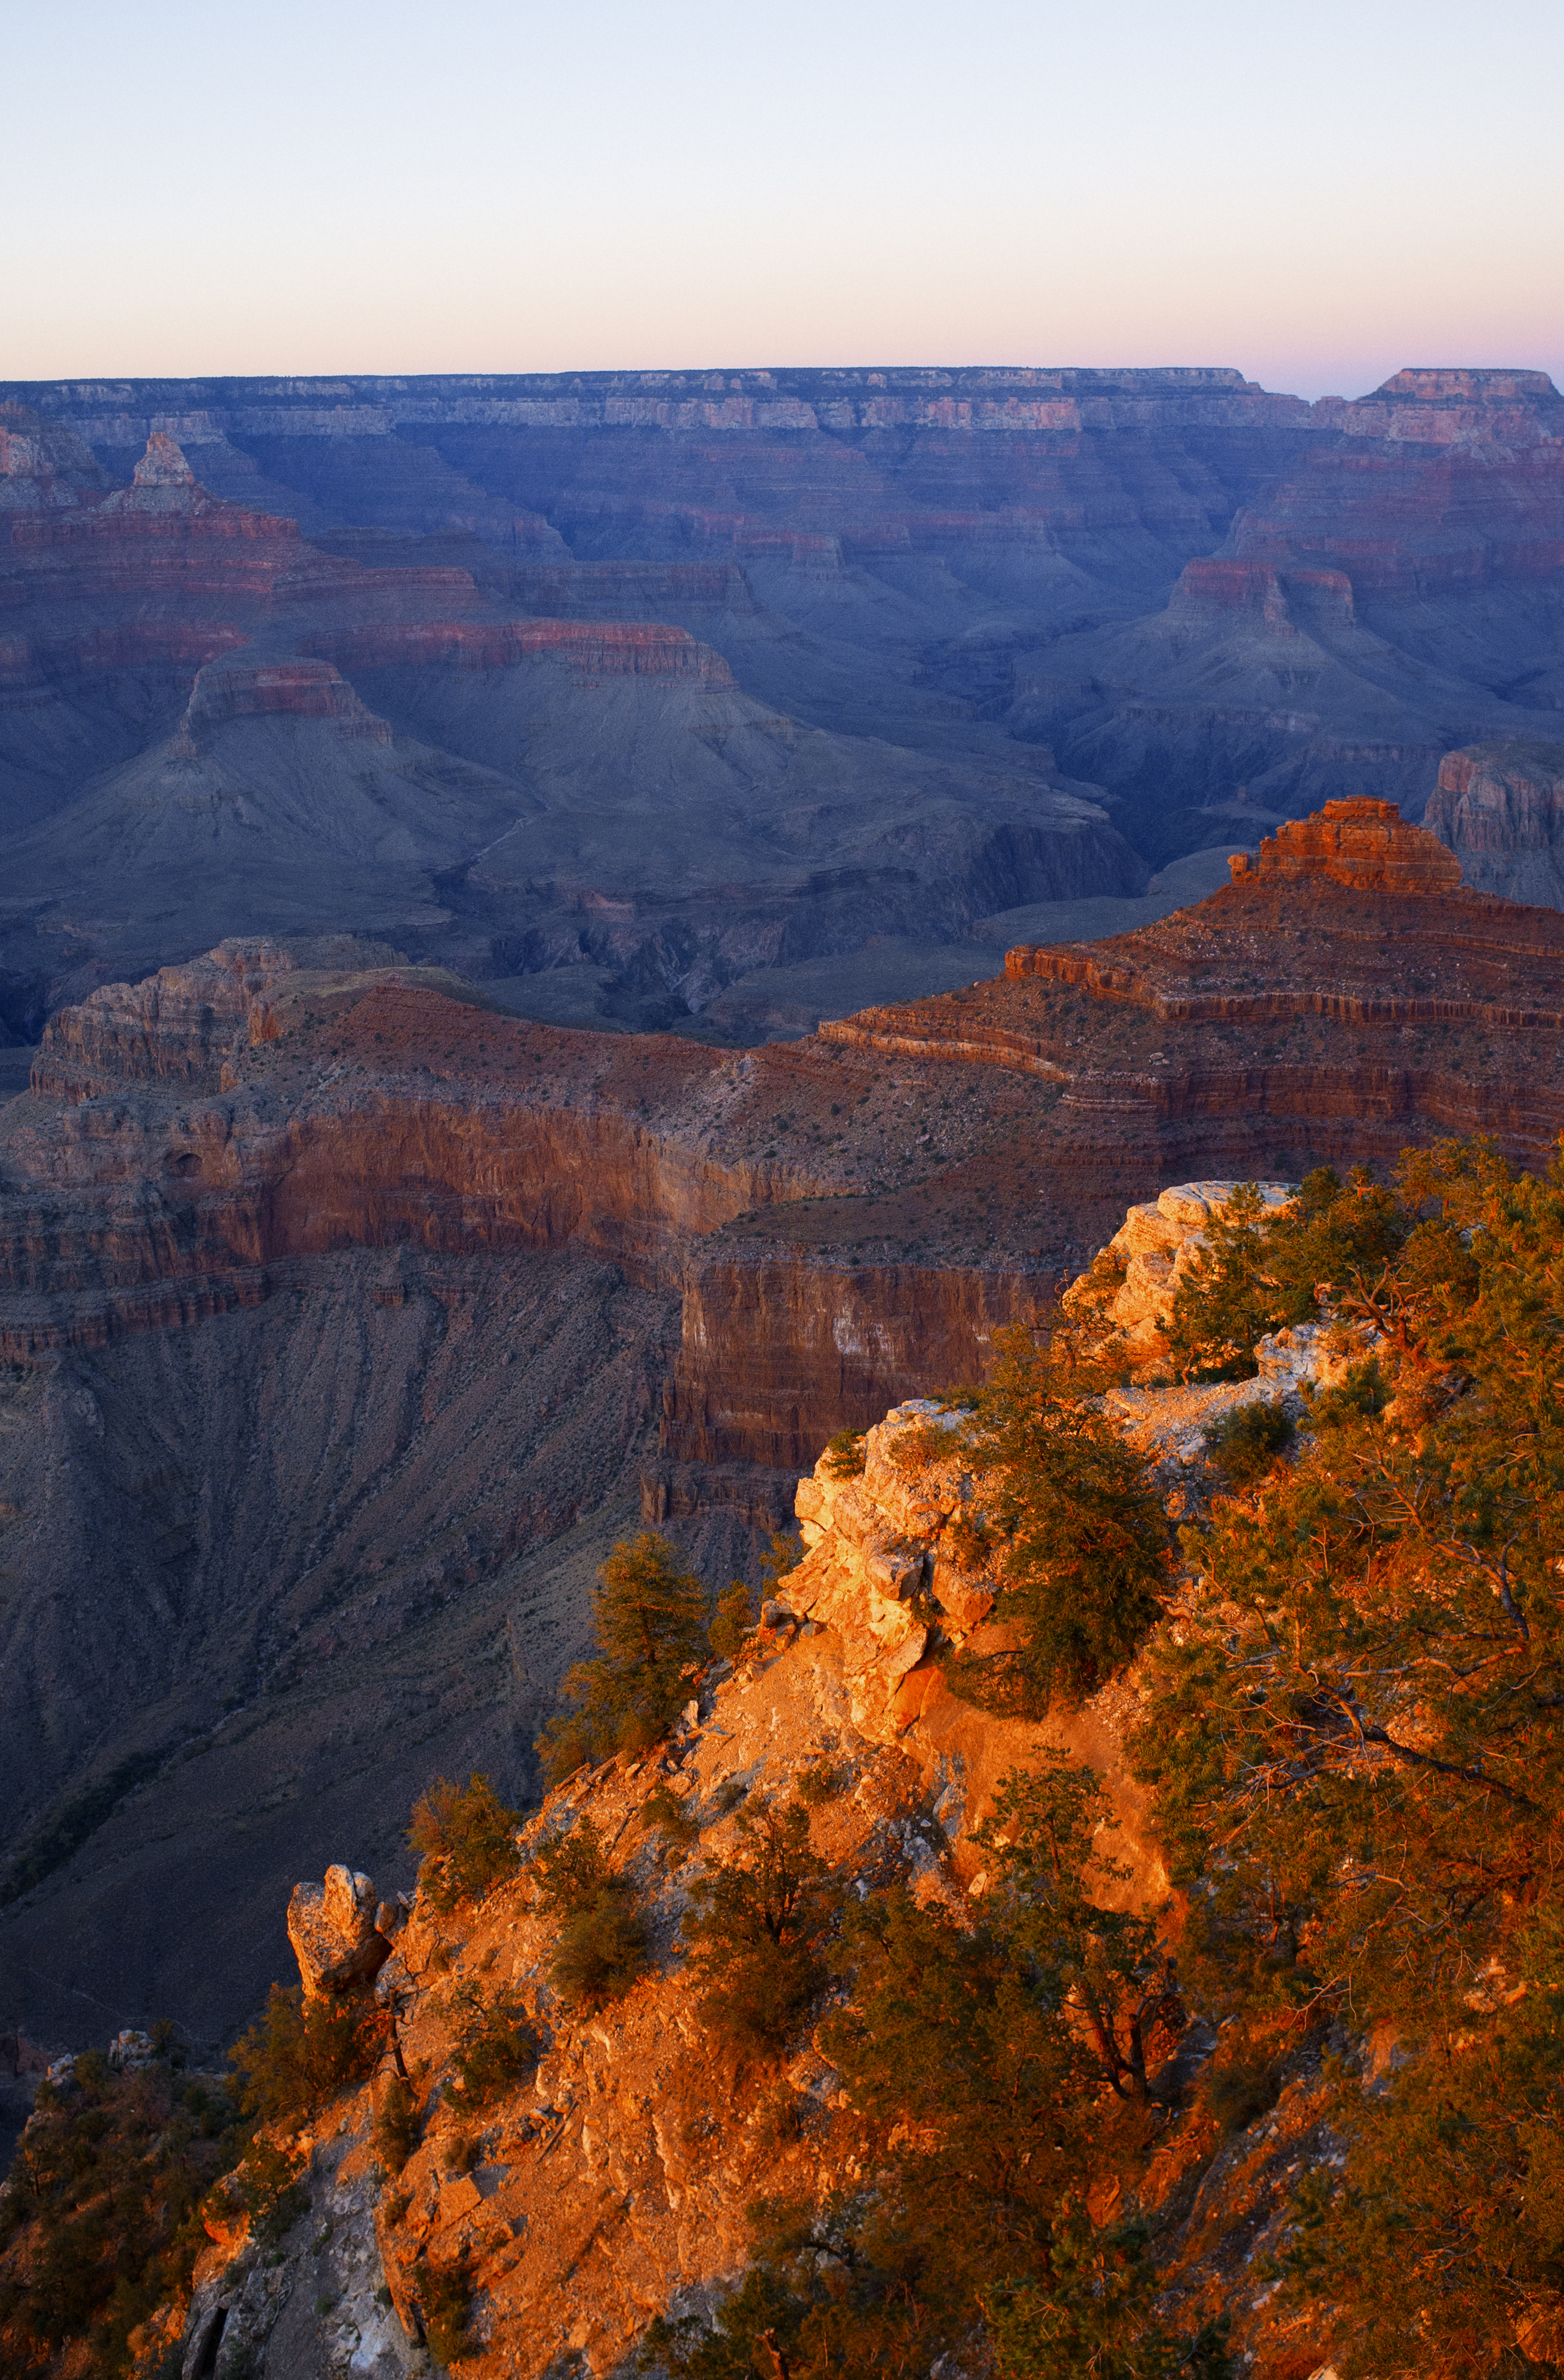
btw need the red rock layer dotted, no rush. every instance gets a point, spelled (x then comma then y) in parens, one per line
(1364, 844)
(768, 1343)
(296, 689)
(608, 648)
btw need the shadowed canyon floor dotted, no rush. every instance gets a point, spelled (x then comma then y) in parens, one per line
(349, 1318)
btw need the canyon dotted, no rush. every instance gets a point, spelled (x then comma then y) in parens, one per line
(724, 702)
(349, 1319)
(564, 940)
(615, 2178)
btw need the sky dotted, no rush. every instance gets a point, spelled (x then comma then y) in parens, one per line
(1316, 196)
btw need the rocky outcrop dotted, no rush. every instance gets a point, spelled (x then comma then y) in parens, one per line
(43, 466)
(1366, 844)
(333, 1932)
(1136, 1278)
(612, 2181)
(183, 1023)
(294, 689)
(1499, 809)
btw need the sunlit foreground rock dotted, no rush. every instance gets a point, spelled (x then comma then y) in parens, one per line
(614, 2181)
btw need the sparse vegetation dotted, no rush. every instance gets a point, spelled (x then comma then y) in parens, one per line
(396, 2124)
(271, 2192)
(100, 2217)
(650, 1616)
(496, 2046)
(757, 1928)
(603, 1948)
(444, 2295)
(819, 1782)
(671, 1815)
(978, 2089)
(730, 1631)
(844, 1454)
(466, 1839)
(302, 2052)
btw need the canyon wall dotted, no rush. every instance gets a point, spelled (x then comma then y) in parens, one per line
(1500, 808)
(351, 1319)
(680, 678)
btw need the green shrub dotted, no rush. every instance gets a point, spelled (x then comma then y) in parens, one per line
(1093, 2320)
(303, 2053)
(603, 1948)
(1239, 2087)
(1245, 1444)
(818, 1784)
(271, 2191)
(1261, 1269)
(844, 1454)
(757, 1930)
(602, 1953)
(971, 1540)
(782, 1556)
(444, 2295)
(1086, 1556)
(671, 1815)
(572, 1871)
(496, 2046)
(396, 2124)
(650, 1616)
(465, 1838)
(730, 1630)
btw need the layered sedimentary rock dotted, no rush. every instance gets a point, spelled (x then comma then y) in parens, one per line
(1328, 645)
(841, 618)
(1365, 844)
(674, 830)
(356, 1319)
(1500, 808)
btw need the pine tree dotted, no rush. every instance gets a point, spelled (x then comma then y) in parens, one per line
(1086, 1559)
(650, 1616)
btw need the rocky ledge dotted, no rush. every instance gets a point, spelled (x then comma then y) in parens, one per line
(614, 2181)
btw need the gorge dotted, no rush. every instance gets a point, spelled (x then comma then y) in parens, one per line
(349, 1319)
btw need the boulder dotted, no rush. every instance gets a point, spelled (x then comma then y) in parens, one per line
(332, 1930)
(131, 2050)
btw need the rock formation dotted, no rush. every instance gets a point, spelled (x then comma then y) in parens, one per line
(870, 649)
(614, 2181)
(516, 1287)
(331, 1929)
(1137, 1277)
(1365, 844)
(1500, 808)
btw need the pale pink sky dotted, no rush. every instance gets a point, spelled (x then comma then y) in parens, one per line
(1316, 196)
